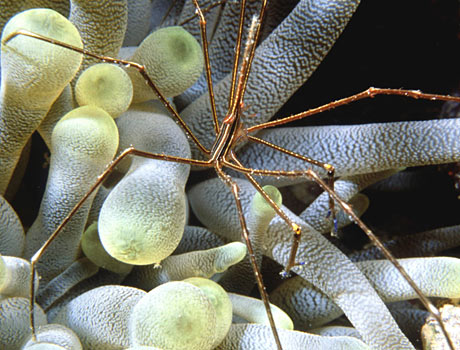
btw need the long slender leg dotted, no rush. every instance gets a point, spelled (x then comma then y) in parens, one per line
(252, 50)
(348, 210)
(125, 63)
(236, 97)
(237, 54)
(240, 77)
(245, 234)
(370, 92)
(204, 41)
(327, 167)
(129, 151)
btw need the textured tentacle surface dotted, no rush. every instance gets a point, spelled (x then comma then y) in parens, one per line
(94, 314)
(103, 25)
(11, 231)
(359, 301)
(359, 149)
(204, 263)
(254, 337)
(309, 307)
(136, 225)
(83, 142)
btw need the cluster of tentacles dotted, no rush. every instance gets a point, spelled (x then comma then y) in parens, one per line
(88, 299)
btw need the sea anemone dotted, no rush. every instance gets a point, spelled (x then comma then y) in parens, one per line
(141, 212)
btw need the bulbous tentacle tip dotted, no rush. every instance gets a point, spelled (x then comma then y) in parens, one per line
(86, 131)
(231, 254)
(173, 60)
(105, 86)
(135, 225)
(260, 204)
(174, 315)
(49, 68)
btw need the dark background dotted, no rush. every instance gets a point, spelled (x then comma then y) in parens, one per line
(398, 44)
